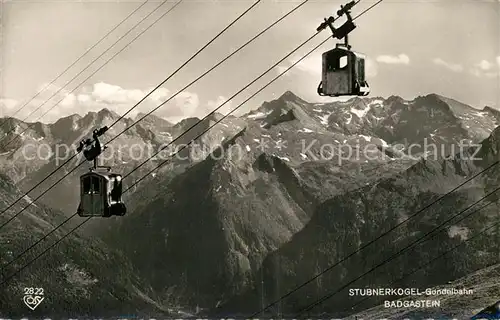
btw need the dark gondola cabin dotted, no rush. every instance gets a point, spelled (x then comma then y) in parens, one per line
(100, 192)
(342, 70)
(100, 195)
(343, 73)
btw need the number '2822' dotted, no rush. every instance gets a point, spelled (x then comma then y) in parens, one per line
(35, 291)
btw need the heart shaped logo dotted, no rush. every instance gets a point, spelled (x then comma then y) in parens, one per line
(32, 302)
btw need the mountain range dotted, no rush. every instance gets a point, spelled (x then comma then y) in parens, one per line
(262, 202)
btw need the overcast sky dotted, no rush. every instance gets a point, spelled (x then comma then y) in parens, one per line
(415, 47)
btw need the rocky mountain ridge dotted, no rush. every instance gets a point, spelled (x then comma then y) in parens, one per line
(342, 224)
(280, 192)
(264, 200)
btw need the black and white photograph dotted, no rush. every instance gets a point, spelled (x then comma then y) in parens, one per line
(250, 159)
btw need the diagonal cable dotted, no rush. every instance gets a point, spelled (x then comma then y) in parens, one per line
(392, 257)
(30, 125)
(76, 61)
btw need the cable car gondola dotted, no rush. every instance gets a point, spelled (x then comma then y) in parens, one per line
(343, 70)
(100, 190)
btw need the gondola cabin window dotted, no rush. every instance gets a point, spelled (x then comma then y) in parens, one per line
(343, 62)
(96, 185)
(86, 185)
(336, 62)
(91, 185)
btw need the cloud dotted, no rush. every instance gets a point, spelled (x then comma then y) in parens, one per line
(484, 65)
(451, 66)
(371, 68)
(400, 59)
(8, 106)
(184, 105)
(486, 68)
(83, 98)
(159, 95)
(69, 100)
(214, 104)
(112, 94)
(480, 73)
(188, 102)
(96, 97)
(310, 65)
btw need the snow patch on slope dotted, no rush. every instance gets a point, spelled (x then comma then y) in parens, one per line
(360, 113)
